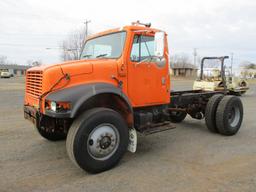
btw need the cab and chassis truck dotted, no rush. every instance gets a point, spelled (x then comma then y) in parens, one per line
(119, 87)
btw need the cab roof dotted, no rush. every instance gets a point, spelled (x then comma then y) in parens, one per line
(125, 28)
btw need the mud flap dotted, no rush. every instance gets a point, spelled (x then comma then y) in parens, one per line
(132, 146)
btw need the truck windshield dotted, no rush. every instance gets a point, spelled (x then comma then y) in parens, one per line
(107, 46)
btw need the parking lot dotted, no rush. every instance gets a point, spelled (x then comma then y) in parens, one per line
(188, 158)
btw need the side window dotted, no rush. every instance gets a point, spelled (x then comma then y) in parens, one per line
(143, 47)
(135, 53)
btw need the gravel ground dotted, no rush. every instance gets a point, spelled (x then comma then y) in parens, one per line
(186, 159)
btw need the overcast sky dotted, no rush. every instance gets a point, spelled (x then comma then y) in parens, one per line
(28, 27)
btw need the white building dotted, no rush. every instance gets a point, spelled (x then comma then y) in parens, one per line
(15, 69)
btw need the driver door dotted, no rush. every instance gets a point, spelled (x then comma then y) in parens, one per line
(147, 80)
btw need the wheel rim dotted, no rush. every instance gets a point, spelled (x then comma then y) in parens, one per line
(103, 141)
(234, 116)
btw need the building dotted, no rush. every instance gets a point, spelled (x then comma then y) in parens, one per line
(248, 73)
(184, 70)
(14, 69)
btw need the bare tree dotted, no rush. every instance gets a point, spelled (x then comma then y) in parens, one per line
(3, 60)
(71, 47)
(249, 65)
(248, 69)
(34, 63)
(180, 60)
(29, 62)
(246, 64)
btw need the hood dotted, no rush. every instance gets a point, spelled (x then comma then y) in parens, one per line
(70, 67)
(77, 67)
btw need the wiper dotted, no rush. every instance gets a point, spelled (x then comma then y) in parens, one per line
(87, 56)
(101, 55)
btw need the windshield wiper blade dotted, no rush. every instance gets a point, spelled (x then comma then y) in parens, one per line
(87, 56)
(101, 55)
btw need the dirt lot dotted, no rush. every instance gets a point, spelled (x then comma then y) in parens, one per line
(188, 158)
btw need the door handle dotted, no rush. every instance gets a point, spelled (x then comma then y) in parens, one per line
(163, 80)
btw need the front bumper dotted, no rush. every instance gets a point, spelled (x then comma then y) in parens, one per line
(58, 115)
(31, 114)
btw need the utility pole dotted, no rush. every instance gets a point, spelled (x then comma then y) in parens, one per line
(232, 58)
(86, 27)
(195, 55)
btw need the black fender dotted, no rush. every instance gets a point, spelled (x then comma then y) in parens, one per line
(78, 95)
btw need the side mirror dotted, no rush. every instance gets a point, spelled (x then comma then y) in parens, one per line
(159, 44)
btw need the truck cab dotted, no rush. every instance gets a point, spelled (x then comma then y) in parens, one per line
(118, 87)
(122, 58)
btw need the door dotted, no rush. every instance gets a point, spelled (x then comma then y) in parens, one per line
(147, 77)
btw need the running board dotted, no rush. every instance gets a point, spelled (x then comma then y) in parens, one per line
(157, 128)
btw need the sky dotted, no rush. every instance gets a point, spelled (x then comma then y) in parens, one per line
(214, 28)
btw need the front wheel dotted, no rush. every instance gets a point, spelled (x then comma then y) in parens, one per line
(97, 140)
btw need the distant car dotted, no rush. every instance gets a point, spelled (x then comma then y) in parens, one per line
(5, 74)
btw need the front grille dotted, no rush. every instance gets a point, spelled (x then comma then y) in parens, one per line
(34, 83)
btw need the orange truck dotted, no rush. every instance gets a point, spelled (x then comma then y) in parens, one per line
(119, 87)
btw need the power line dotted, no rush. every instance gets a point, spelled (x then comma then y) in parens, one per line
(23, 45)
(33, 34)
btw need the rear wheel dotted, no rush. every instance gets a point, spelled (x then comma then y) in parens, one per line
(177, 116)
(229, 115)
(97, 140)
(240, 93)
(210, 112)
(237, 93)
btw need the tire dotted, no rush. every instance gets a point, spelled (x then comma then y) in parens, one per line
(229, 115)
(210, 112)
(237, 94)
(177, 116)
(52, 136)
(97, 130)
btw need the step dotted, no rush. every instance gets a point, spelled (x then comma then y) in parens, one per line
(156, 128)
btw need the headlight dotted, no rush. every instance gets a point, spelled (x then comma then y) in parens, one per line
(57, 106)
(53, 106)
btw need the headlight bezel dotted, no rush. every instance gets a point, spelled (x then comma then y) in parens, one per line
(57, 106)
